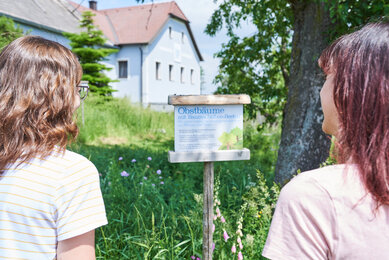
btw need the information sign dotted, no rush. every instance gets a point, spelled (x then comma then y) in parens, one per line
(208, 127)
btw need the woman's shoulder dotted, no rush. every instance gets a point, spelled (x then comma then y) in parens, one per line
(66, 162)
(334, 181)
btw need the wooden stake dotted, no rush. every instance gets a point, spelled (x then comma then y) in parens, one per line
(208, 211)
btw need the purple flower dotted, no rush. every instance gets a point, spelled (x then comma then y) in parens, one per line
(153, 184)
(120, 158)
(149, 158)
(140, 183)
(240, 246)
(145, 178)
(133, 160)
(240, 256)
(213, 228)
(233, 249)
(162, 182)
(218, 212)
(159, 172)
(198, 258)
(238, 240)
(213, 247)
(124, 174)
(225, 236)
(222, 219)
(193, 257)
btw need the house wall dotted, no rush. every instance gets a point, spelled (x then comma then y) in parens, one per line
(129, 87)
(170, 51)
(50, 35)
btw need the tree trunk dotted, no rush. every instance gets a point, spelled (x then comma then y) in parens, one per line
(303, 144)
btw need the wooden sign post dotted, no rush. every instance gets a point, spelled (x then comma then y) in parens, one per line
(208, 128)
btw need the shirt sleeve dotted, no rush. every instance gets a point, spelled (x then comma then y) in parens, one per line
(79, 203)
(304, 223)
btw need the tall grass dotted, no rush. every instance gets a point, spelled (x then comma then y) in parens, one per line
(154, 208)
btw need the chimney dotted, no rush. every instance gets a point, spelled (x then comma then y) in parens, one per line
(93, 5)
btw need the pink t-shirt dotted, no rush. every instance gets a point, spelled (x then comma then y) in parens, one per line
(326, 214)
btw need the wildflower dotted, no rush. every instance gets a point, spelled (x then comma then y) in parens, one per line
(222, 219)
(225, 236)
(193, 257)
(145, 178)
(140, 183)
(162, 182)
(213, 228)
(159, 172)
(153, 184)
(198, 258)
(233, 249)
(149, 158)
(240, 246)
(133, 160)
(124, 174)
(213, 247)
(218, 212)
(160, 177)
(147, 166)
(214, 217)
(238, 240)
(109, 183)
(239, 233)
(120, 158)
(240, 256)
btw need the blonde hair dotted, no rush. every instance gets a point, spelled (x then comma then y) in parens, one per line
(38, 88)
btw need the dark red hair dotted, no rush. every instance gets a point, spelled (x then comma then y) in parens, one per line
(360, 62)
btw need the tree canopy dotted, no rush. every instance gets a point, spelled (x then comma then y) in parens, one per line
(88, 46)
(277, 65)
(8, 31)
(258, 64)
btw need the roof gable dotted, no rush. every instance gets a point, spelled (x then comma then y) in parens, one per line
(137, 24)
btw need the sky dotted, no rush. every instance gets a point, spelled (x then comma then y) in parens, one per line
(198, 13)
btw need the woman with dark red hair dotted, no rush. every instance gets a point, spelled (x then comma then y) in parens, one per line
(342, 211)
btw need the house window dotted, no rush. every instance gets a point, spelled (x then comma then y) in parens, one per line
(157, 70)
(171, 72)
(182, 75)
(123, 69)
(170, 32)
(182, 37)
(191, 76)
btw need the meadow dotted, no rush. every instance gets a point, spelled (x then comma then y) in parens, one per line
(154, 207)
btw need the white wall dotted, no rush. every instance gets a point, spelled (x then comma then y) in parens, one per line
(129, 87)
(170, 51)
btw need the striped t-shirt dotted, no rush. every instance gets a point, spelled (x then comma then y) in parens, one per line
(45, 201)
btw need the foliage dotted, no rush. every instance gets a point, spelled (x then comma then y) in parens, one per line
(8, 31)
(164, 221)
(258, 64)
(88, 47)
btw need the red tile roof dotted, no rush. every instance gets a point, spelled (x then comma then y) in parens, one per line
(137, 24)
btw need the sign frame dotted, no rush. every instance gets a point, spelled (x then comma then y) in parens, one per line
(208, 157)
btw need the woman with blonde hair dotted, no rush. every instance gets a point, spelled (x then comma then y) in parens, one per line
(342, 211)
(50, 198)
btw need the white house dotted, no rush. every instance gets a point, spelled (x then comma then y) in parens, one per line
(157, 53)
